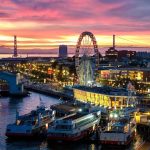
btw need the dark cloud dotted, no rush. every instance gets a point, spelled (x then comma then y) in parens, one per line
(109, 1)
(39, 4)
(118, 28)
(129, 9)
(65, 9)
(4, 15)
(135, 10)
(97, 15)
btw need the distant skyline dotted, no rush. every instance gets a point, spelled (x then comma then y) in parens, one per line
(71, 50)
(48, 23)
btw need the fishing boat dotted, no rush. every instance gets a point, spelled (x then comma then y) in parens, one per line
(119, 133)
(31, 125)
(73, 127)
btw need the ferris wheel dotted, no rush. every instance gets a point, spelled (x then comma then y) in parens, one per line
(86, 58)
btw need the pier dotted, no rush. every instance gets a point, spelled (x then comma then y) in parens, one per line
(48, 91)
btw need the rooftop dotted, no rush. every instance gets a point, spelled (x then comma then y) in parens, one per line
(104, 90)
(130, 69)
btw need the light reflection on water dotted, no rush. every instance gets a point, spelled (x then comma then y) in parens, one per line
(8, 107)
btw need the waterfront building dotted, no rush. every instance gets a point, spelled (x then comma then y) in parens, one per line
(126, 54)
(140, 76)
(63, 51)
(113, 54)
(14, 81)
(104, 96)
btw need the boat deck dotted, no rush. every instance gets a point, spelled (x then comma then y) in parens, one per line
(80, 120)
(66, 108)
(86, 121)
(74, 117)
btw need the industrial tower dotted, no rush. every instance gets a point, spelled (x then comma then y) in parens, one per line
(15, 46)
(114, 44)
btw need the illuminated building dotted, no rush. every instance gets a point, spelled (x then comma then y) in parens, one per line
(103, 96)
(118, 77)
(139, 74)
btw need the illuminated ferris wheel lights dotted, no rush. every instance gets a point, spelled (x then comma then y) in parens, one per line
(87, 48)
(90, 82)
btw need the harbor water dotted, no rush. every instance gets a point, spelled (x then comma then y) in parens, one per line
(8, 107)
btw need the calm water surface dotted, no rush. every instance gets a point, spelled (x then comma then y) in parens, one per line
(8, 107)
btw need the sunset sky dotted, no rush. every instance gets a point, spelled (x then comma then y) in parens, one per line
(43, 23)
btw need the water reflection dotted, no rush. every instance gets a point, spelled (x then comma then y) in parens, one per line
(22, 145)
(8, 107)
(73, 146)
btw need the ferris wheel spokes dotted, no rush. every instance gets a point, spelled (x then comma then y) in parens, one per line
(88, 49)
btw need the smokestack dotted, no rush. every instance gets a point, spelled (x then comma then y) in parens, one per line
(114, 41)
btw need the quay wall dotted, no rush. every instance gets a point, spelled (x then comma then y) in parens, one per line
(49, 92)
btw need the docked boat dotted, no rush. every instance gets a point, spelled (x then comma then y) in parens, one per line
(31, 125)
(73, 127)
(127, 111)
(119, 133)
